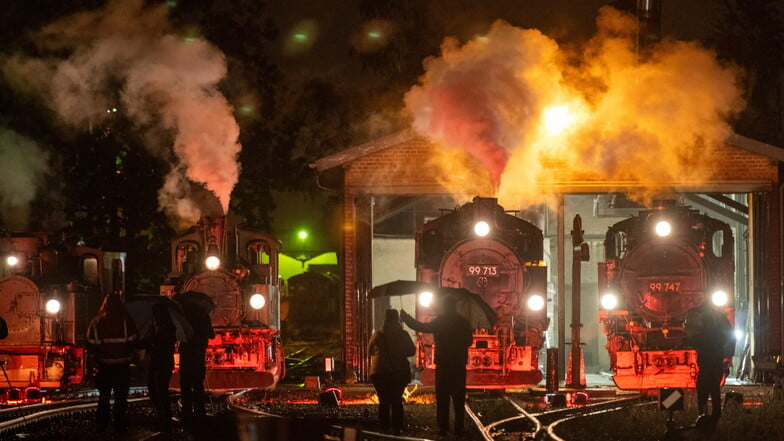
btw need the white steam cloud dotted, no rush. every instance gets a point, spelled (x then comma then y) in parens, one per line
(23, 165)
(126, 57)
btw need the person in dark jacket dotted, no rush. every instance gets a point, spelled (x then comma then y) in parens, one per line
(111, 339)
(711, 333)
(192, 363)
(453, 335)
(3, 328)
(390, 371)
(160, 348)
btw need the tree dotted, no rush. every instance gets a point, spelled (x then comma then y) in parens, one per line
(750, 33)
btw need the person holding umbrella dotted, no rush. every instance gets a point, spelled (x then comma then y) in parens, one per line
(161, 338)
(390, 372)
(197, 307)
(453, 335)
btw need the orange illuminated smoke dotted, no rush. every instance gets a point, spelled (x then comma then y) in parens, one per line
(533, 121)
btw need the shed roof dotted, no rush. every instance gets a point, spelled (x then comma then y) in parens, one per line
(353, 153)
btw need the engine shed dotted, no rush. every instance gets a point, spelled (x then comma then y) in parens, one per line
(390, 186)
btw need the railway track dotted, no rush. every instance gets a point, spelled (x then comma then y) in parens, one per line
(502, 418)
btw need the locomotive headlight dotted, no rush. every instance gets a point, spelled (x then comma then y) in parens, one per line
(52, 306)
(212, 262)
(738, 334)
(609, 301)
(482, 228)
(257, 301)
(426, 298)
(536, 302)
(719, 298)
(12, 260)
(663, 228)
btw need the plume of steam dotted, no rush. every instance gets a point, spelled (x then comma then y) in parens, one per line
(125, 56)
(23, 165)
(637, 119)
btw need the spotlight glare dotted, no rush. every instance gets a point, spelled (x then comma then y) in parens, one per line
(52, 306)
(257, 301)
(536, 302)
(426, 298)
(212, 263)
(663, 228)
(482, 228)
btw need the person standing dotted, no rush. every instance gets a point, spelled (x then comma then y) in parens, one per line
(192, 363)
(111, 339)
(390, 371)
(711, 334)
(160, 346)
(453, 335)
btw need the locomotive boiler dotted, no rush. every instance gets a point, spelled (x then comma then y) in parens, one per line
(49, 291)
(237, 267)
(660, 264)
(498, 257)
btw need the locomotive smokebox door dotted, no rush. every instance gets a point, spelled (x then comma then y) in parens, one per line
(671, 398)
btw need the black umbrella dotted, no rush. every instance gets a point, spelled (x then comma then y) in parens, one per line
(399, 288)
(471, 306)
(140, 309)
(195, 299)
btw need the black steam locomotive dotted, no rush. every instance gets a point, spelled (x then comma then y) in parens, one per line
(50, 288)
(238, 268)
(659, 264)
(497, 256)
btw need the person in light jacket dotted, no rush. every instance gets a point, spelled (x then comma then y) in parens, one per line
(111, 340)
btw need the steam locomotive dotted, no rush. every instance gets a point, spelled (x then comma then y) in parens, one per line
(498, 257)
(660, 264)
(237, 268)
(49, 291)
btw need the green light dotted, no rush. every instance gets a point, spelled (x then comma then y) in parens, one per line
(171, 4)
(246, 109)
(190, 39)
(374, 35)
(302, 234)
(299, 36)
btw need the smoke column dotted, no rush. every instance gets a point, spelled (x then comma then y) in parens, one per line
(22, 165)
(125, 56)
(642, 119)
